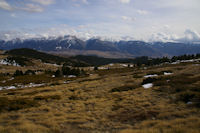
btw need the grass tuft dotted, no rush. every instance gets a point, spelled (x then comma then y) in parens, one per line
(16, 104)
(125, 88)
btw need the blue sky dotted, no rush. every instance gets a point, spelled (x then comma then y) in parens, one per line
(149, 20)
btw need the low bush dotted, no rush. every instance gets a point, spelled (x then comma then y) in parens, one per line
(125, 88)
(29, 72)
(152, 73)
(158, 73)
(95, 68)
(57, 73)
(178, 83)
(68, 71)
(148, 80)
(16, 104)
(18, 73)
(137, 76)
(132, 116)
(189, 96)
(47, 98)
(55, 83)
(73, 97)
(186, 96)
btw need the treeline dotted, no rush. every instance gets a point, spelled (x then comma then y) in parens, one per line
(20, 73)
(64, 71)
(22, 61)
(156, 61)
(185, 57)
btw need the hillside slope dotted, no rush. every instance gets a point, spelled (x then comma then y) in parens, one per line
(112, 101)
(44, 57)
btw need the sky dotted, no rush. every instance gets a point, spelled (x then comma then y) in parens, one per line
(148, 20)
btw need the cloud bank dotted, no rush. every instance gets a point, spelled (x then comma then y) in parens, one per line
(190, 36)
(4, 5)
(44, 2)
(148, 20)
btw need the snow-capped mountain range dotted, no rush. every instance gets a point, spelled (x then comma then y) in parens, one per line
(133, 48)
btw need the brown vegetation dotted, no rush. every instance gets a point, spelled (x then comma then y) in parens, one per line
(106, 101)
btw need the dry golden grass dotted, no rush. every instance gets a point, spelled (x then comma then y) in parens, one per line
(88, 104)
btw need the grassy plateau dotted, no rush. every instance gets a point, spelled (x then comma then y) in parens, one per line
(106, 101)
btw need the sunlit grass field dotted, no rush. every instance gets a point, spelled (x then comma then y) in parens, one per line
(107, 101)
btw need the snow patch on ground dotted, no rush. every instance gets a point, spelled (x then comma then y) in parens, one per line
(167, 73)
(192, 60)
(52, 64)
(11, 87)
(11, 78)
(146, 86)
(7, 87)
(21, 86)
(7, 62)
(32, 85)
(148, 76)
(66, 82)
(102, 68)
(183, 61)
(124, 65)
(72, 76)
(177, 62)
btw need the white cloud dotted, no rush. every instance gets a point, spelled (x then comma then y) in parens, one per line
(127, 18)
(13, 15)
(192, 34)
(124, 1)
(4, 5)
(83, 1)
(85, 32)
(142, 12)
(166, 26)
(183, 4)
(189, 36)
(44, 2)
(32, 8)
(160, 37)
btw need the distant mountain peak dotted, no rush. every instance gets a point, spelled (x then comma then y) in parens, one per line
(133, 48)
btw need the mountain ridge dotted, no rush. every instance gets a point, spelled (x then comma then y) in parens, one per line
(123, 48)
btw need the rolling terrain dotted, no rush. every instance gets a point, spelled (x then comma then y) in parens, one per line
(111, 99)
